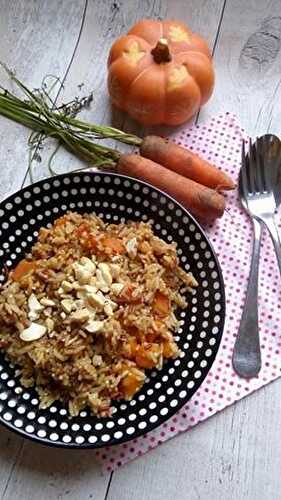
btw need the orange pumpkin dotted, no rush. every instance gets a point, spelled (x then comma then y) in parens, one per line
(160, 72)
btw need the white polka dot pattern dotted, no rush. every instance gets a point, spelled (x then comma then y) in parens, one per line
(219, 141)
(115, 198)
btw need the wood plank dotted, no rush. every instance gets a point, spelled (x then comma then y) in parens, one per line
(247, 62)
(10, 449)
(37, 38)
(105, 21)
(49, 473)
(236, 455)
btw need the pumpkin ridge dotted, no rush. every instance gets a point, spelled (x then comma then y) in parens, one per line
(163, 86)
(133, 81)
(139, 75)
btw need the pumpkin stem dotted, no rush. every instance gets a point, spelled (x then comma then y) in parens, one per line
(161, 52)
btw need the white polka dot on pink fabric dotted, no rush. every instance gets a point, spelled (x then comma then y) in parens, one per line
(219, 141)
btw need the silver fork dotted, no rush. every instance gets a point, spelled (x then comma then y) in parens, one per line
(247, 355)
(261, 201)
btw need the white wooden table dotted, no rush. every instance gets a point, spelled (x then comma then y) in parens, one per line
(236, 454)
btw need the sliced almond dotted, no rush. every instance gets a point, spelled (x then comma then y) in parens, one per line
(80, 316)
(49, 324)
(97, 360)
(47, 302)
(117, 288)
(93, 281)
(132, 247)
(67, 286)
(105, 271)
(82, 274)
(33, 315)
(112, 303)
(115, 270)
(89, 289)
(92, 311)
(108, 310)
(94, 326)
(96, 299)
(34, 304)
(33, 332)
(67, 305)
(62, 293)
(88, 264)
(101, 283)
(79, 304)
(80, 294)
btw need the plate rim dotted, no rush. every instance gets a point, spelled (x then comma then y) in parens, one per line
(139, 432)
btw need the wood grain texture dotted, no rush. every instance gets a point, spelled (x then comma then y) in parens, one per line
(248, 65)
(49, 473)
(37, 38)
(104, 22)
(235, 455)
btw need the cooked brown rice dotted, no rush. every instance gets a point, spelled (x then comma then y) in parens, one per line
(90, 309)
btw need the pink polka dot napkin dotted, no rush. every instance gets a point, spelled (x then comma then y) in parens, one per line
(219, 141)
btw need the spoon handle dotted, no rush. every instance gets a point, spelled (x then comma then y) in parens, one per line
(273, 231)
(247, 355)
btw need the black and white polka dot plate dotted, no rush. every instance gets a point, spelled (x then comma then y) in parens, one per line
(115, 198)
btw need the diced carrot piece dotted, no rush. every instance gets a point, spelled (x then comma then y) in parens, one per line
(144, 247)
(130, 348)
(23, 267)
(83, 228)
(87, 240)
(161, 304)
(127, 294)
(147, 356)
(170, 348)
(89, 243)
(151, 337)
(61, 221)
(113, 245)
(131, 383)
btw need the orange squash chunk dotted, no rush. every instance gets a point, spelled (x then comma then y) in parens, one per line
(23, 267)
(161, 304)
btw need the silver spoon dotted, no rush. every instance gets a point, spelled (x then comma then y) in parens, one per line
(246, 359)
(246, 354)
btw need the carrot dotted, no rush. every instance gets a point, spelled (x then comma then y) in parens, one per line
(23, 267)
(113, 245)
(184, 162)
(161, 304)
(130, 348)
(170, 349)
(131, 383)
(201, 201)
(147, 356)
(60, 221)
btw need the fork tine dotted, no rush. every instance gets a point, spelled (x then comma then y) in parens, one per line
(243, 184)
(251, 168)
(266, 174)
(259, 150)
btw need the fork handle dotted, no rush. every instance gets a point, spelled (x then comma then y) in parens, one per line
(273, 231)
(247, 355)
